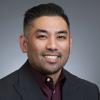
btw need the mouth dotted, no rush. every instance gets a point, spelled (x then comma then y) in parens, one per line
(52, 58)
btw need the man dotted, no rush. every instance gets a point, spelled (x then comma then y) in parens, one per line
(47, 41)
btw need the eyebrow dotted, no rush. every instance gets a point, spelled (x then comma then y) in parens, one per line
(45, 31)
(41, 30)
(62, 31)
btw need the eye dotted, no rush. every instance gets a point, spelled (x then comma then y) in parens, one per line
(42, 37)
(61, 37)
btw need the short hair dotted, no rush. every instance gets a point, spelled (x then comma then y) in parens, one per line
(49, 9)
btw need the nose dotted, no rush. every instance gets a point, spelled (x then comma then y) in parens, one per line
(51, 44)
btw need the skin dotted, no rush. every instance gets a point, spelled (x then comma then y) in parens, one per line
(47, 45)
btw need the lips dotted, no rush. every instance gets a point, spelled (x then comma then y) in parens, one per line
(51, 58)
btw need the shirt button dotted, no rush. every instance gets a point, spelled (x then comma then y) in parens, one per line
(53, 91)
(48, 79)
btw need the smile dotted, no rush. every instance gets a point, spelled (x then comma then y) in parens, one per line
(51, 58)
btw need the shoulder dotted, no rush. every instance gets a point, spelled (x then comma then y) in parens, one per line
(75, 79)
(9, 80)
(83, 86)
(13, 77)
(7, 90)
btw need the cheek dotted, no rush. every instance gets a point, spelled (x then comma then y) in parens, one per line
(33, 53)
(36, 48)
(64, 47)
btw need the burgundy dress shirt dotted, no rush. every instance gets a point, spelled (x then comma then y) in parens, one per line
(45, 83)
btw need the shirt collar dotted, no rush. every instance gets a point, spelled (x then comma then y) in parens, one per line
(42, 79)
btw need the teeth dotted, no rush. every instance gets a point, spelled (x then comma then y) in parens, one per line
(51, 57)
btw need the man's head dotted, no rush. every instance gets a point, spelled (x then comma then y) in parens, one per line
(46, 38)
(44, 10)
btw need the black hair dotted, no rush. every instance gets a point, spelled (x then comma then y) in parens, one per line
(49, 9)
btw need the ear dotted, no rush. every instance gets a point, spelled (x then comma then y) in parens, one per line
(23, 43)
(70, 40)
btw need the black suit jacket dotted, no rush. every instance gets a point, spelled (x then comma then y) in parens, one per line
(20, 85)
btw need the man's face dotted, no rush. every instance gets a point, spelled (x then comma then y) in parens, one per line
(48, 44)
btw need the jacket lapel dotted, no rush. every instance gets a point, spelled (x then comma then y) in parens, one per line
(26, 86)
(70, 87)
(28, 89)
(28, 94)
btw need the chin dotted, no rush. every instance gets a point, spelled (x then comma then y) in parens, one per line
(50, 72)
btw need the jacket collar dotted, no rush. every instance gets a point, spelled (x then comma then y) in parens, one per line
(26, 85)
(71, 86)
(25, 82)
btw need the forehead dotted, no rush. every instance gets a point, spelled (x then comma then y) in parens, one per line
(53, 23)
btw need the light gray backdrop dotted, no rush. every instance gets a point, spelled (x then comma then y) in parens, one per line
(84, 16)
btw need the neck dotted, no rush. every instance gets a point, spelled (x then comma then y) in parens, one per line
(55, 76)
